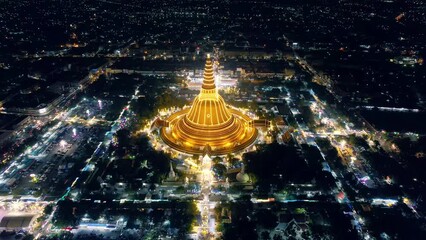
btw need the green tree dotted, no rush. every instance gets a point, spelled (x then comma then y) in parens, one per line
(64, 215)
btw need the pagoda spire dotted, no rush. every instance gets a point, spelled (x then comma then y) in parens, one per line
(208, 81)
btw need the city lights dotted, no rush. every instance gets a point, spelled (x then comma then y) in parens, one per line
(205, 120)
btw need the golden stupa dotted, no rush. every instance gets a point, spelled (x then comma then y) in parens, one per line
(209, 126)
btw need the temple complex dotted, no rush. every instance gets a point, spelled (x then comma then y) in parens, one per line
(209, 126)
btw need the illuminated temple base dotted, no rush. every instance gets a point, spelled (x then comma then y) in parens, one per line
(199, 141)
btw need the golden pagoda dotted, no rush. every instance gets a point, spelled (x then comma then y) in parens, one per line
(209, 125)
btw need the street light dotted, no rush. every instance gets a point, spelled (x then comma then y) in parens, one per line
(62, 143)
(342, 143)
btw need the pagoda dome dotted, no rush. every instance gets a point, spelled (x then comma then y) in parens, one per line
(242, 177)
